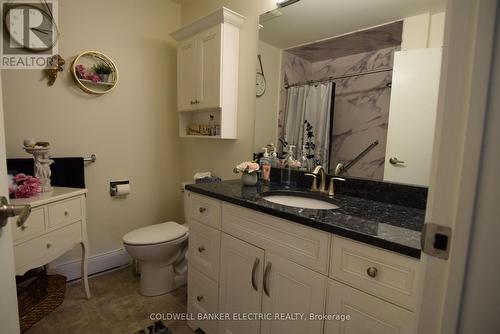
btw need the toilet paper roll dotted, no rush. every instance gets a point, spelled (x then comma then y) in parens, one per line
(122, 189)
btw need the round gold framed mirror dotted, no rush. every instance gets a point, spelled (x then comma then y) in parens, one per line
(94, 72)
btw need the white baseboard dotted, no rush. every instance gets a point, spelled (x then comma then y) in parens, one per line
(97, 263)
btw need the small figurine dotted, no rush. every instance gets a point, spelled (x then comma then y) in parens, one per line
(57, 62)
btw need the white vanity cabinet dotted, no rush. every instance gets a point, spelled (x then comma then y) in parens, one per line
(207, 71)
(57, 223)
(271, 266)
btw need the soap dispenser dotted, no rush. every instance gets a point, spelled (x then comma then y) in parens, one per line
(304, 162)
(274, 156)
(286, 172)
(265, 166)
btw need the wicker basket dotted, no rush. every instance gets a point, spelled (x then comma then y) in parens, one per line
(33, 310)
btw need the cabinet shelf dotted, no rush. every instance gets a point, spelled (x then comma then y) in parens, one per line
(200, 136)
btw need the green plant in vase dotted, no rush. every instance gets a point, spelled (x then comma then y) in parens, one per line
(103, 70)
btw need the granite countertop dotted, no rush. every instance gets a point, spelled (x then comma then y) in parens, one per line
(393, 227)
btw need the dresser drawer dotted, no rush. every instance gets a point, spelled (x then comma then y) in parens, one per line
(204, 249)
(379, 272)
(300, 244)
(205, 210)
(367, 314)
(41, 250)
(35, 225)
(202, 299)
(65, 212)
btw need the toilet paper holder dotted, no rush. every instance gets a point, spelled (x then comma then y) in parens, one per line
(113, 187)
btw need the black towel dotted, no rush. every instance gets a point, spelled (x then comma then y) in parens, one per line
(66, 172)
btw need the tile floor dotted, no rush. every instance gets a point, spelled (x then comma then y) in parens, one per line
(115, 307)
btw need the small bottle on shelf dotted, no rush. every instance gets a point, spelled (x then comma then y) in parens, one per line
(211, 126)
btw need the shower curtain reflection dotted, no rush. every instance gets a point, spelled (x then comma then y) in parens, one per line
(308, 115)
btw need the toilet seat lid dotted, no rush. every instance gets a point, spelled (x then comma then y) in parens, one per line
(155, 234)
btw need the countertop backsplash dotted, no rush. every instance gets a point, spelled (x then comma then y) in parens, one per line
(386, 192)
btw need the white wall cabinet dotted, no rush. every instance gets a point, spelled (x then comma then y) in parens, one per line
(207, 72)
(186, 74)
(275, 267)
(412, 115)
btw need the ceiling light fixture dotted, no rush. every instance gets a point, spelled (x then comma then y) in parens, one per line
(284, 3)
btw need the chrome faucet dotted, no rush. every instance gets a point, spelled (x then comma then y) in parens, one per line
(318, 172)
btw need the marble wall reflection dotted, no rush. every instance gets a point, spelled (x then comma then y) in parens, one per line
(361, 107)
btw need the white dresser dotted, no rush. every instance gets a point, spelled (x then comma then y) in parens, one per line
(56, 224)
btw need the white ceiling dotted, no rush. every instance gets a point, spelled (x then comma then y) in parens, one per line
(312, 20)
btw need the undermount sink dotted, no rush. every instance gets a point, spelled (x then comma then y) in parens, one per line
(300, 202)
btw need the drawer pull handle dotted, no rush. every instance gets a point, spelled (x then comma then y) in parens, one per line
(199, 298)
(66, 212)
(201, 249)
(202, 210)
(266, 276)
(49, 244)
(372, 272)
(254, 272)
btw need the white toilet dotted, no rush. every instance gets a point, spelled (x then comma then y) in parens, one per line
(161, 252)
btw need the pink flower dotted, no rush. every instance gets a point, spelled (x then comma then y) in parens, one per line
(80, 71)
(27, 186)
(95, 78)
(21, 177)
(246, 167)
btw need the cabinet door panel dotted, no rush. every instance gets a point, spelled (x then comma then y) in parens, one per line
(186, 74)
(412, 115)
(240, 262)
(292, 289)
(209, 70)
(368, 314)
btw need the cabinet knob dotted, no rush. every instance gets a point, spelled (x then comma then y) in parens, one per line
(201, 249)
(199, 298)
(66, 212)
(372, 272)
(191, 102)
(49, 244)
(202, 210)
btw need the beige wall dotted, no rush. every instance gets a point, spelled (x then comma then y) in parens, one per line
(423, 31)
(220, 156)
(132, 130)
(266, 106)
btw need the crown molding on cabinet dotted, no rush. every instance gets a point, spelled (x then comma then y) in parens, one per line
(223, 15)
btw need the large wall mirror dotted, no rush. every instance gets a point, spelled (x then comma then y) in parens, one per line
(352, 86)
